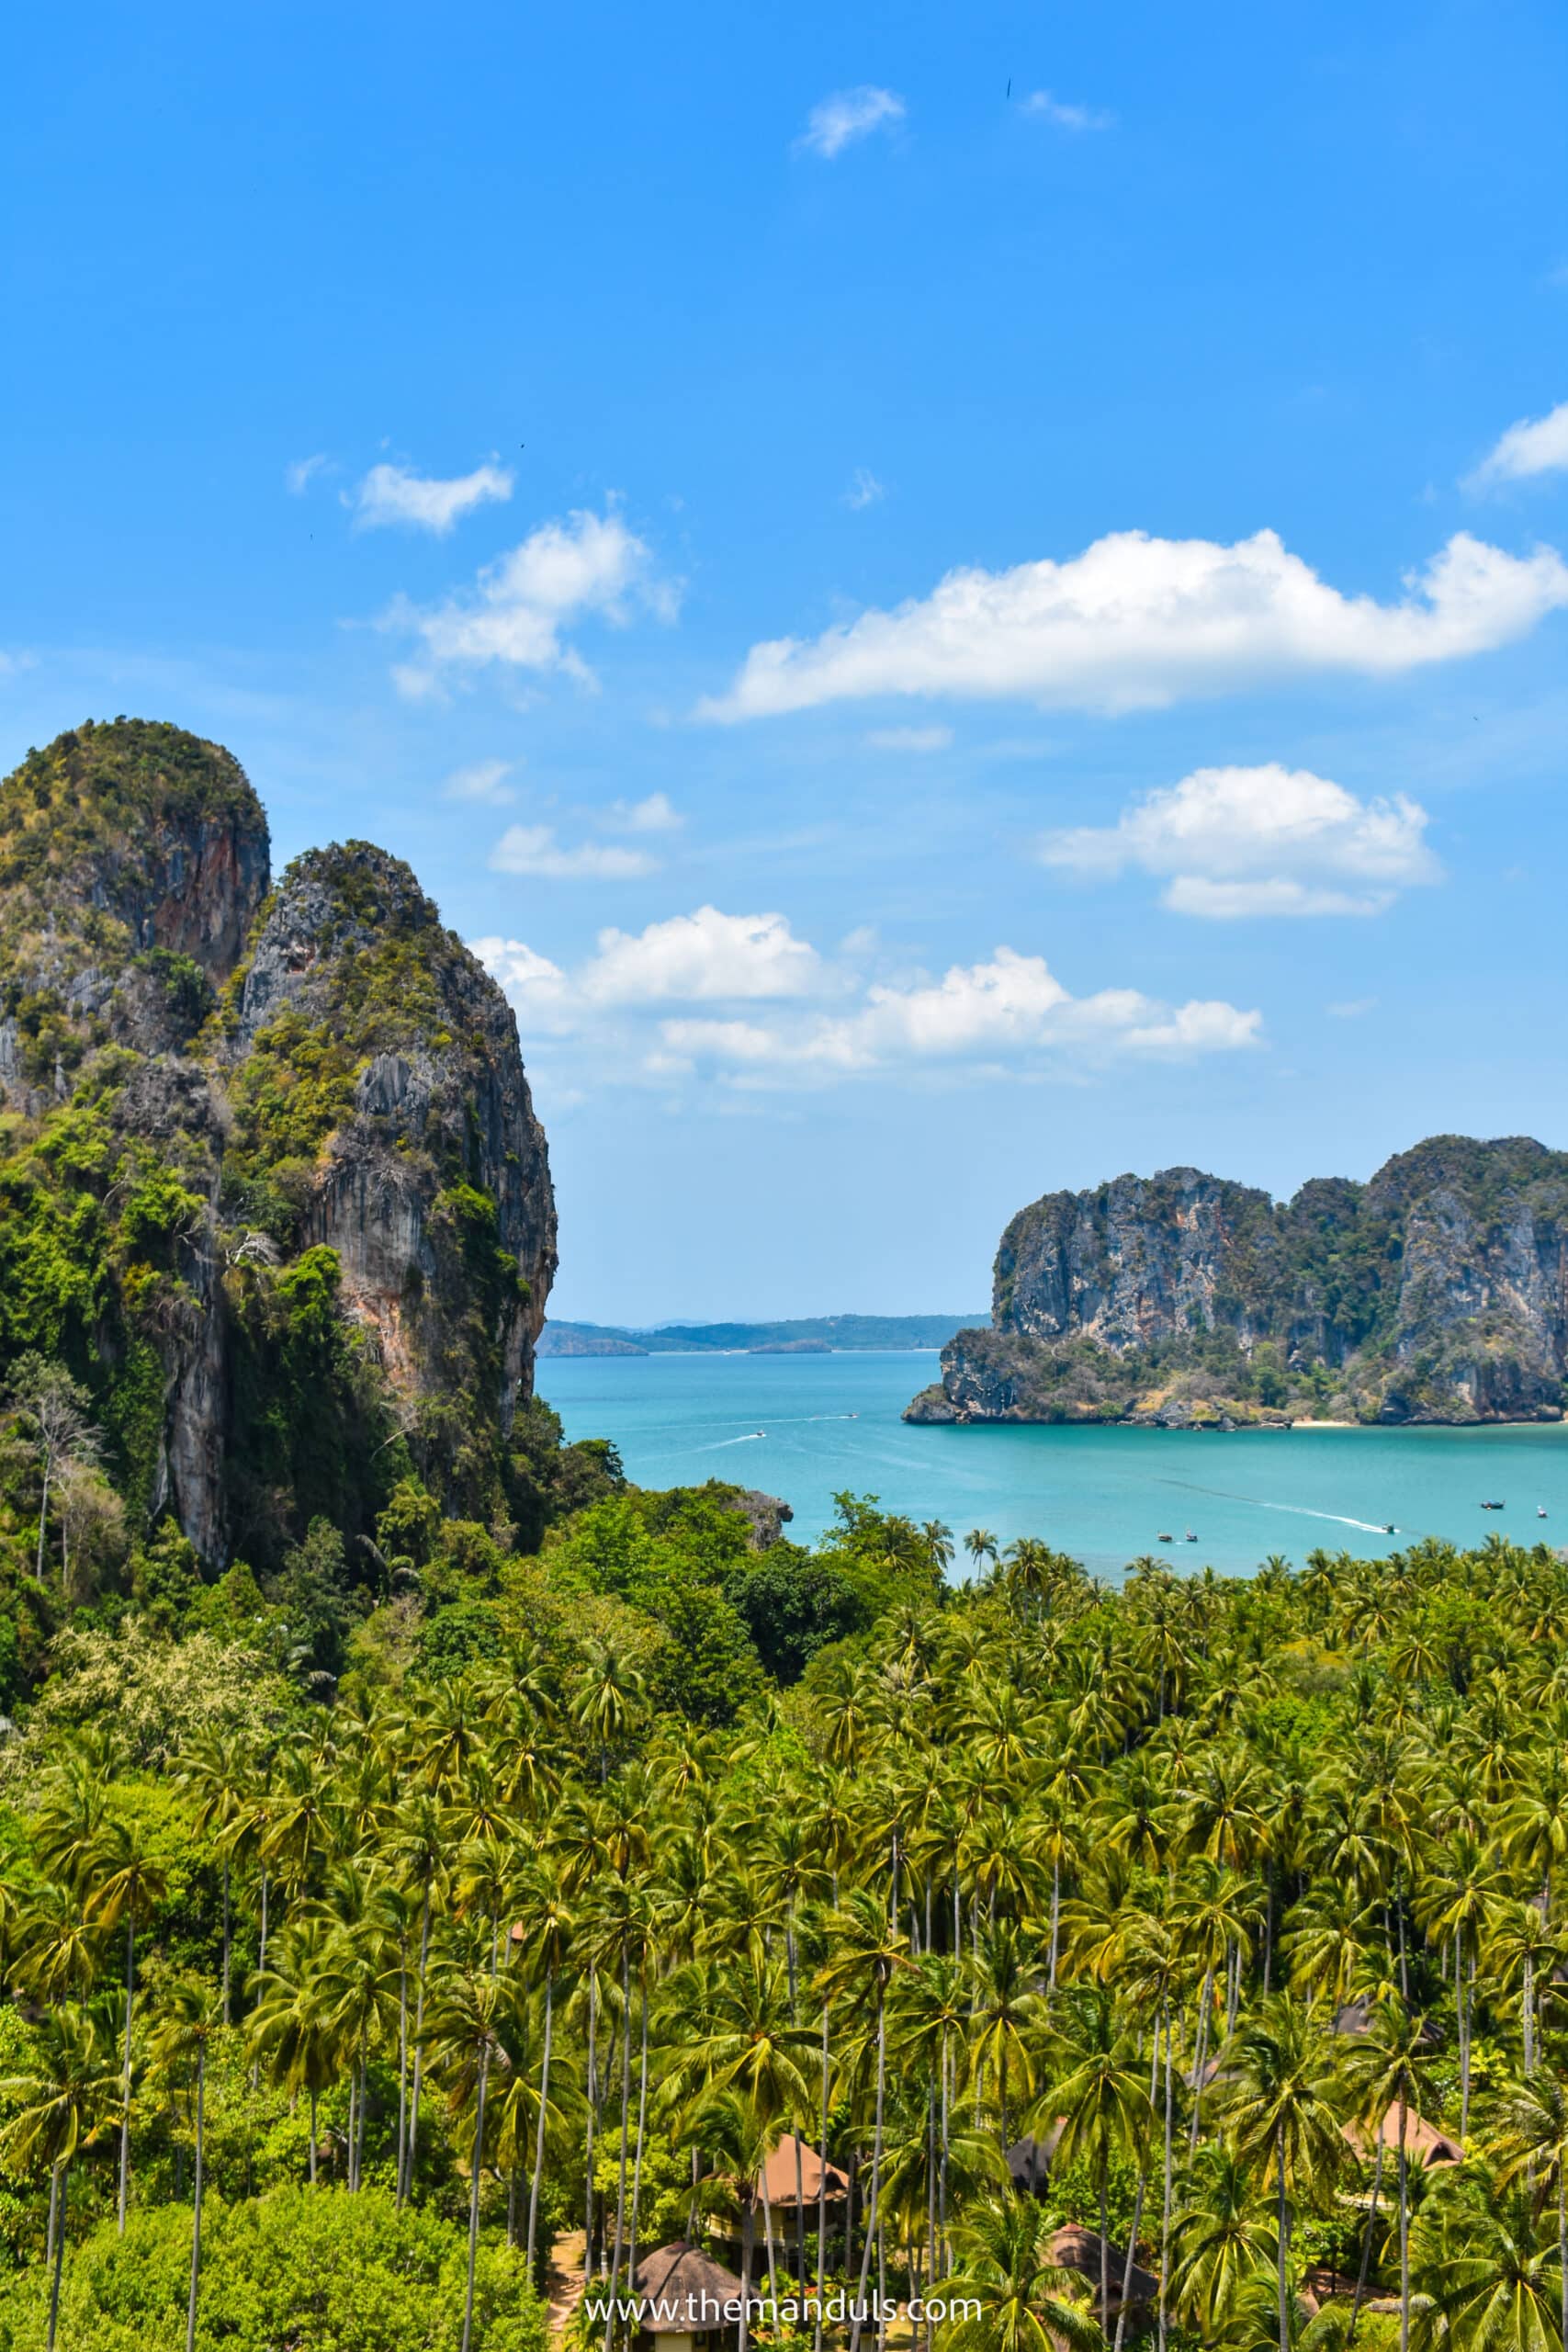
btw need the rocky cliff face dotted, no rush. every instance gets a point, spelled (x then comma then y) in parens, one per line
(429, 1179)
(273, 1183)
(133, 860)
(1437, 1292)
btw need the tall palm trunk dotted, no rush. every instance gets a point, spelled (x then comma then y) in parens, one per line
(418, 2045)
(196, 2227)
(543, 2101)
(1165, 2206)
(474, 2197)
(1562, 2242)
(228, 1940)
(1284, 2245)
(1359, 2296)
(822, 2199)
(59, 2179)
(125, 2072)
(768, 2238)
(1055, 1925)
(592, 2111)
(642, 2128)
(1104, 2241)
(874, 2200)
(626, 2119)
(748, 2228)
(402, 2063)
(1201, 2054)
(1404, 2239)
(1132, 2250)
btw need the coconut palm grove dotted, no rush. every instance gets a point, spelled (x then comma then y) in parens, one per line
(995, 1963)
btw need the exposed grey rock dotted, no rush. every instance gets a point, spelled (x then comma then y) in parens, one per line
(1438, 1291)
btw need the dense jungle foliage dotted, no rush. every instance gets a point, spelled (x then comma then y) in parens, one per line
(413, 1925)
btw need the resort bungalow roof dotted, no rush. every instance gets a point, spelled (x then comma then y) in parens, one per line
(682, 2292)
(1424, 2144)
(1077, 2249)
(779, 2174)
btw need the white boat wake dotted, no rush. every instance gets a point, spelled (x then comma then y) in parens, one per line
(1297, 1510)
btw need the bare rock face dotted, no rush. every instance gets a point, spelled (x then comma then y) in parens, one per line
(133, 860)
(431, 1180)
(1439, 1292)
(258, 1081)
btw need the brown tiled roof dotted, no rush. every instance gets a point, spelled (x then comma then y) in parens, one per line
(1424, 2144)
(779, 2173)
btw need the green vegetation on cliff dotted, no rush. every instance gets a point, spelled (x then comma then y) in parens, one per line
(1432, 1293)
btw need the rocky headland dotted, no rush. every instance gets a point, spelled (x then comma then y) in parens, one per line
(270, 1177)
(1435, 1292)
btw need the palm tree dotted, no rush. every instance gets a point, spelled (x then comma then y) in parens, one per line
(66, 2100)
(549, 1928)
(1096, 2094)
(1530, 2144)
(1277, 2115)
(867, 1953)
(1489, 2272)
(467, 2038)
(609, 1698)
(214, 1773)
(980, 1544)
(1380, 2075)
(291, 2026)
(190, 2022)
(128, 1884)
(1026, 2299)
(1222, 2239)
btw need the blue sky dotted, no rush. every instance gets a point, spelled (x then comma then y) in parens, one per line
(944, 644)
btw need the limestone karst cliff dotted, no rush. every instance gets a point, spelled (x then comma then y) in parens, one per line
(271, 1183)
(1438, 1291)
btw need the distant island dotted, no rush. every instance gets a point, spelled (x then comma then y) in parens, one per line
(1436, 1293)
(811, 1334)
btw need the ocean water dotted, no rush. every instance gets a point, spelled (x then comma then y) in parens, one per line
(805, 1427)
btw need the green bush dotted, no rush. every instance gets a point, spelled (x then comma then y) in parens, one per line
(317, 2269)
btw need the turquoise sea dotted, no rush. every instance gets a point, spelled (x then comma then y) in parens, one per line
(804, 1427)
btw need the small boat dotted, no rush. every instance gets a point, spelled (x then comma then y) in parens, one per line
(1541, 1510)
(1492, 1506)
(1190, 1537)
(1164, 1538)
(1389, 1527)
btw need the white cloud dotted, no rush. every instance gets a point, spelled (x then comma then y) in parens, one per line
(1260, 841)
(1063, 116)
(1351, 1007)
(302, 471)
(700, 957)
(911, 738)
(1534, 445)
(836, 121)
(519, 606)
(636, 997)
(993, 1013)
(540, 991)
(534, 849)
(864, 490)
(392, 494)
(654, 815)
(1136, 623)
(486, 780)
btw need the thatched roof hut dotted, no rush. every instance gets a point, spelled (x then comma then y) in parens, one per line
(689, 2303)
